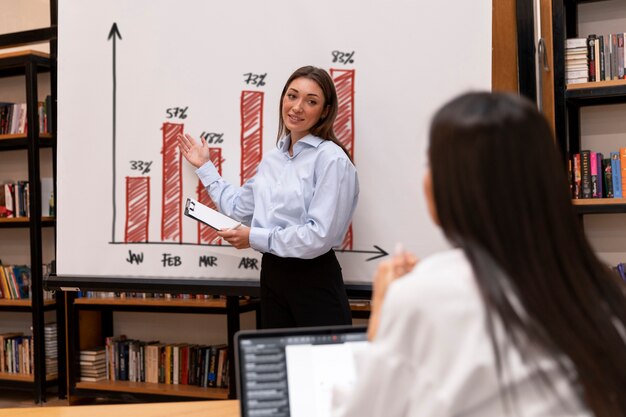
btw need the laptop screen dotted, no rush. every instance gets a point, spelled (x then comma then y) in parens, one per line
(292, 372)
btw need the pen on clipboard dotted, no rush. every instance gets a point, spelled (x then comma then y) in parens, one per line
(237, 226)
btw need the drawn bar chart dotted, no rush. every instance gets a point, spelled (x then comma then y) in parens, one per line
(251, 133)
(344, 123)
(206, 234)
(171, 210)
(137, 209)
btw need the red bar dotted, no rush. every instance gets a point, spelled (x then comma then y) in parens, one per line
(251, 133)
(344, 123)
(137, 209)
(172, 221)
(206, 234)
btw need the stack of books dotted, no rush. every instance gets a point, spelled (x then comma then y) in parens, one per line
(50, 341)
(576, 61)
(93, 364)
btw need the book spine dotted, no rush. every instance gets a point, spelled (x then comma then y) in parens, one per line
(616, 169)
(577, 177)
(601, 191)
(602, 59)
(591, 53)
(622, 161)
(607, 177)
(585, 173)
(620, 56)
(593, 168)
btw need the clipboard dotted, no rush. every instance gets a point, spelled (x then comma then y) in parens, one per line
(212, 218)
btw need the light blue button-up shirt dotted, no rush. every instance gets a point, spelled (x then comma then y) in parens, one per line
(297, 206)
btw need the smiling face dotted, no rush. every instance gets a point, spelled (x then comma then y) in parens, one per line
(302, 107)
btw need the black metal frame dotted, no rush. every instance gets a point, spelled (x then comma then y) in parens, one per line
(526, 62)
(233, 287)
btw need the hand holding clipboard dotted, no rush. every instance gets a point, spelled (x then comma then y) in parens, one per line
(212, 218)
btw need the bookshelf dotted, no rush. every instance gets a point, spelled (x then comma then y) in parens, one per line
(570, 99)
(25, 66)
(90, 320)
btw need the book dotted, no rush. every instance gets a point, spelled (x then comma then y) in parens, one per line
(616, 170)
(591, 48)
(212, 218)
(93, 378)
(622, 161)
(593, 163)
(607, 178)
(585, 173)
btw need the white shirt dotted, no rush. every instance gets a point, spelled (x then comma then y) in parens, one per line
(432, 355)
(297, 205)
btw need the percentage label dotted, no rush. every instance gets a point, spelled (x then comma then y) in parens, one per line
(343, 57)
(143, 166)
(255, 79)
(212, 137)
(177, 112)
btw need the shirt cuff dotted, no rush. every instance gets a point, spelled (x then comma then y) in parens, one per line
(260, 239)
(208, 174)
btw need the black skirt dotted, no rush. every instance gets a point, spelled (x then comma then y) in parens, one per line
(303, 292)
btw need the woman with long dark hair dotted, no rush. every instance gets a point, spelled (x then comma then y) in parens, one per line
(520, 317)
(298, 206)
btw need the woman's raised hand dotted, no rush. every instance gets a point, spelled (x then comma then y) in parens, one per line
(196, 153)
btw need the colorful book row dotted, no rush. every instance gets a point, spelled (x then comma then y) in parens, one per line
(163, 363)
(17, 352)
(15, 198)
(144, 295)
(13, 120)
(593, 176)
(595, 58)
(14, 282)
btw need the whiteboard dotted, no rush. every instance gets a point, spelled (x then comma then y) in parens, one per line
(133, 73)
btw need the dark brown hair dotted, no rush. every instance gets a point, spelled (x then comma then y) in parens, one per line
(500, 189)
(324, 126)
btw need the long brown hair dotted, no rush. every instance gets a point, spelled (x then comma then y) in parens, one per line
(324, 126)
(500, 189)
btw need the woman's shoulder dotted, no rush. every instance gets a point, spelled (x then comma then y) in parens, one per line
(329, 153)
(445, 275)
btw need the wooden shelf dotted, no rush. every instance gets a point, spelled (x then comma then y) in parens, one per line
(159, 302)
(24, 53)
(600, 205)
(365, 306)
(14, 222)
(156, 389)
(24, 136)
(596, 84)
(598, 201)
(22, 303)
(24, 378)
(596, 93)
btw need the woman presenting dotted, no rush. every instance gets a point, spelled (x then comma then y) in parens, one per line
(298, 206)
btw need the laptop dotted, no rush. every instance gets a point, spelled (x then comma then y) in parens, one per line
(292, 372)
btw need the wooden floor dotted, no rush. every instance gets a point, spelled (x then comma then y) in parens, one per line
(18, 399)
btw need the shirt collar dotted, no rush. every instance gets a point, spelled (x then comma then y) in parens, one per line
(308, 140)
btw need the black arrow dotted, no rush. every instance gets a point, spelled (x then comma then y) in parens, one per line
(379, 251)
(114, 33)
